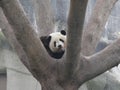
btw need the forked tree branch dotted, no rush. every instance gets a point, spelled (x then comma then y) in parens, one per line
(78, 68)
(74, 34)
(92, 67)
(95, 25)
(26, 36)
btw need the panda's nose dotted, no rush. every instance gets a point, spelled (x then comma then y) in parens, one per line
(59, 46)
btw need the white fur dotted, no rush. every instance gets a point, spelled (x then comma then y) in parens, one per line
(56, 37)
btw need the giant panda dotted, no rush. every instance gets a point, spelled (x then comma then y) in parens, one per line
(55, 43)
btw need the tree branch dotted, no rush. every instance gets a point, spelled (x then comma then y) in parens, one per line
(75, 27)
(95, 25)
(101, 61)
(26, 36)
(8, 32)
(44, 17)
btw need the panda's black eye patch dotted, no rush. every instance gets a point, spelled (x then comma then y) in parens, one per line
(61, 40)
(54, 43)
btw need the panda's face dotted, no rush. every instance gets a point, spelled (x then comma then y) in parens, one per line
(57, 41)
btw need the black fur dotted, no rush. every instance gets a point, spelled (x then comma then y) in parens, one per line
(46, 40)
(63, 32)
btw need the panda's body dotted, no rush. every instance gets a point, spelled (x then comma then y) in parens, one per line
(55, 44)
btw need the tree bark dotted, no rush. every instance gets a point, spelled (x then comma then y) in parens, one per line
(77, 66)
(8, 32)
(26, 36)
(95, 26)
(44, 17)
(75, 27)
(100, 62)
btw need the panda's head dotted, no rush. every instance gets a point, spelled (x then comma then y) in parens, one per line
(55, 43)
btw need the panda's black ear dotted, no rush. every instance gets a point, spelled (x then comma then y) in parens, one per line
(63, 32)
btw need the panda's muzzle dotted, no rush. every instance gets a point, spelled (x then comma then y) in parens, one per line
(59, 46)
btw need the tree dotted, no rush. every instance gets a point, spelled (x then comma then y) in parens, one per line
(80, 63)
